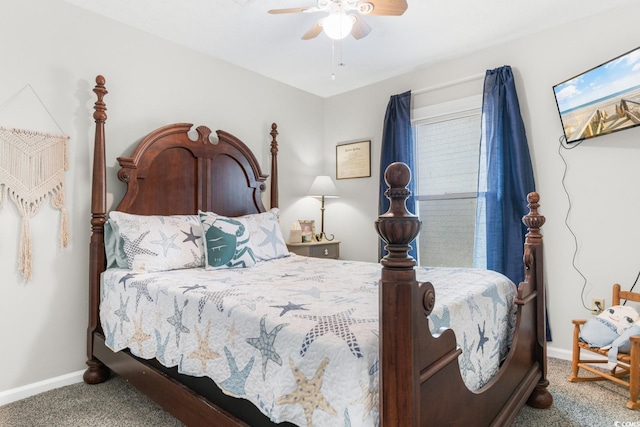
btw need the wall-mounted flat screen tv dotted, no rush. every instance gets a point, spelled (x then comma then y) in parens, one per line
(602, 100)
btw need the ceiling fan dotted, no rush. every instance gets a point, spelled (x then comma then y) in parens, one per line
(339, 23)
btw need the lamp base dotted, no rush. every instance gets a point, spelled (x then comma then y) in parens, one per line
(323, 236)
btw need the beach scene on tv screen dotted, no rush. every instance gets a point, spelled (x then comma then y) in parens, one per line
(602, 100)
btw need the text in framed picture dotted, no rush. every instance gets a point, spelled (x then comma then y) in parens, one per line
(353, 160)
(308, 227)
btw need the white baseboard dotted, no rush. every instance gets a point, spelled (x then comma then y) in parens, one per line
(559, 353)
(563, 354)
(29, 390)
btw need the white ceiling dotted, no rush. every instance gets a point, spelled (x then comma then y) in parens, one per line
(243, 33)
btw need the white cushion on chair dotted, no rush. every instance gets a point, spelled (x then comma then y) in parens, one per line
(607, 326)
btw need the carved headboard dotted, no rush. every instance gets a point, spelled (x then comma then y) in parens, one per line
(169, 173)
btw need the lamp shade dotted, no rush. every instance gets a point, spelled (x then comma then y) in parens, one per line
(323, 186)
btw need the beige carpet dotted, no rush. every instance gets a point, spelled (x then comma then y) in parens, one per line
(588, 404)
(116, 403)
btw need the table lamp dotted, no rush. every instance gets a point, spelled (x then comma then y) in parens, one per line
(323, 187)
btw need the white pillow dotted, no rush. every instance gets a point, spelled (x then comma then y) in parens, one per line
(266, 237)
(157, 243)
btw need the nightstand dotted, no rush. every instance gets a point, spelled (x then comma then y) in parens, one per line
(322, 249)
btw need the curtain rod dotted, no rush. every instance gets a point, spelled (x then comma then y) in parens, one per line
(447, 84)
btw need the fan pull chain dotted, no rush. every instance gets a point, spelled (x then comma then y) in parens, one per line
(333, 58)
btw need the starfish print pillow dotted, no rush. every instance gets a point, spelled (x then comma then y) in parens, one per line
(156, 243)
(265, 235)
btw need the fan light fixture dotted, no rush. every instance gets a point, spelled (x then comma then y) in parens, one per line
(323, 187)
(337, 25)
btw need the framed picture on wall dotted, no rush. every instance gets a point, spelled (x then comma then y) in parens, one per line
(353, 160)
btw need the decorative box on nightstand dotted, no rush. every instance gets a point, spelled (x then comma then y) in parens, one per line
(321, 249)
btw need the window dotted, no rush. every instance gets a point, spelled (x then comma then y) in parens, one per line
(447, 139)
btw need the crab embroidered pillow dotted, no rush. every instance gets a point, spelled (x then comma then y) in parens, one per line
(226, 242)
(265, 236)
(156, 243)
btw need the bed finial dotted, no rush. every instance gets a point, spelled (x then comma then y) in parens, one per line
(398, 227)
(100, 113)
(533, 220)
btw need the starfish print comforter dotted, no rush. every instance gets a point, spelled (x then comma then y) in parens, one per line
(296, 327)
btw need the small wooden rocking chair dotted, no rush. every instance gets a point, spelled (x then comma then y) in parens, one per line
(628, 364)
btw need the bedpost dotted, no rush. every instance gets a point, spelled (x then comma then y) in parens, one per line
(274, 166)
(399, 372)
(540, 397)
(96, 371)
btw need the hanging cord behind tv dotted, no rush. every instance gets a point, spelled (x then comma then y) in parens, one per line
(564, 145)
(573, 145)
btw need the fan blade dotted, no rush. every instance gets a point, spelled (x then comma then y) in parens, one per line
(313, 31)
(383, 7)
(293, 10)
(360, 28)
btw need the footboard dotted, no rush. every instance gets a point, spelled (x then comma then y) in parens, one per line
(420, 380)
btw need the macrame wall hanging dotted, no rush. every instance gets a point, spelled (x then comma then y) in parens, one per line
(32, 166)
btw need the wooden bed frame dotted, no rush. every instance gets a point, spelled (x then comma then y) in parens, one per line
(420, 380)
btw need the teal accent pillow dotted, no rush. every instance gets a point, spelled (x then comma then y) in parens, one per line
(154, 242)
(226, 242)
(113, 246)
